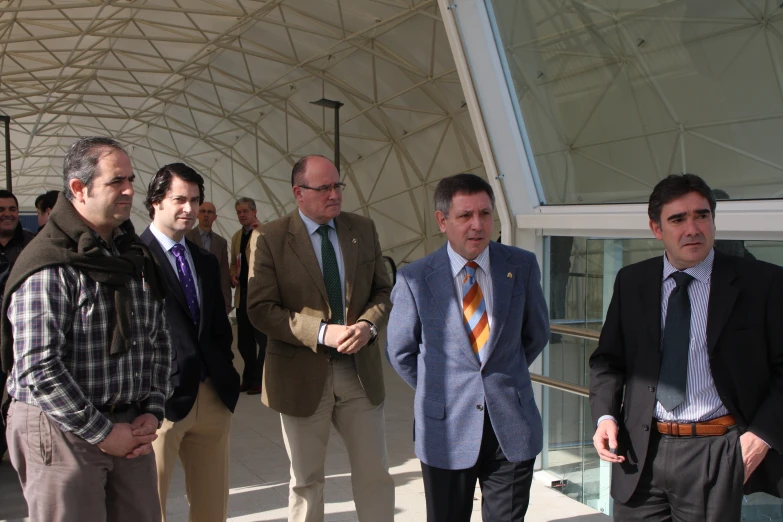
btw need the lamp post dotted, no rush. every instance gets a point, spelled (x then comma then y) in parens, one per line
(333, 104)
(7, 121)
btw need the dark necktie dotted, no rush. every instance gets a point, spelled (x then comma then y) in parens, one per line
(187, 281)
(673, 376)
(331, 280)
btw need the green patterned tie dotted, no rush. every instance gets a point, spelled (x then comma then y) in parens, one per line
(332, 281)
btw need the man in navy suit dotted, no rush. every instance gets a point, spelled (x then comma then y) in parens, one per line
(467, 322)
(206, 386)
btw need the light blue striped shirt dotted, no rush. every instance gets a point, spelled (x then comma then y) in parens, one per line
(702, 401)
(483, 276)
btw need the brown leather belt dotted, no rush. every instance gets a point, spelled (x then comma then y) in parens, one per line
(710, 428)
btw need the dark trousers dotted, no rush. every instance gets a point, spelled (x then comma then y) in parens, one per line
(252, 347)
(505, 486)
(66, 479)
(687, 479)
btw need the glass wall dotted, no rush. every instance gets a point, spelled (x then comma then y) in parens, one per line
(616, 95)
(580, 273)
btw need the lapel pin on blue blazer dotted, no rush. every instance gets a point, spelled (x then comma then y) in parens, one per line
(510, 275)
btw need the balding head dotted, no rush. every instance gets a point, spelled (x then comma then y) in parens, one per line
(317, 188)
(207, 214)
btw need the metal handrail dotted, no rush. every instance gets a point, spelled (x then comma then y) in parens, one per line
(572, 331)
(560, 385)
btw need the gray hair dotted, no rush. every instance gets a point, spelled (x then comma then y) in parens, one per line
(81, 161)
(249, 201)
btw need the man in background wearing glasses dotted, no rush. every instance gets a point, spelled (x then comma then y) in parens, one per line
(13, 238)
(319, 289)
(250, 342)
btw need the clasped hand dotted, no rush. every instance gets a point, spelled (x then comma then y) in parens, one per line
(131, 440)
(347, 339)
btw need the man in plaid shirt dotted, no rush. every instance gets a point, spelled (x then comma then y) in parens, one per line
(89, 369)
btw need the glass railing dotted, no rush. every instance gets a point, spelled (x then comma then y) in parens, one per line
(569, 462)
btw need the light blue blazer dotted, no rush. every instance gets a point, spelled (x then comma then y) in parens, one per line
(428, 346)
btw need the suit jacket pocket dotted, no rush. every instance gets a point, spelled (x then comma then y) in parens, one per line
(525, 394)
(433, 409)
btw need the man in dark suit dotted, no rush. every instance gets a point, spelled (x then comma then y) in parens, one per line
(206, 386)
(687, 381)
(209, 240)
(467, 322)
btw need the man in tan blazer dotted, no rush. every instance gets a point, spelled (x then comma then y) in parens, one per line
(206, 238)
(320, 290)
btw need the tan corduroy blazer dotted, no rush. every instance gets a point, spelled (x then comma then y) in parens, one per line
(287, 300)
(236, 242)
(219, 248)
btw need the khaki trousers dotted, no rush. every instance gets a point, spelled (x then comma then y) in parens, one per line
(201, 442)
(361, 426)
(66, 479)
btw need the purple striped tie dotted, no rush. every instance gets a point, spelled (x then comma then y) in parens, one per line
(186, 280)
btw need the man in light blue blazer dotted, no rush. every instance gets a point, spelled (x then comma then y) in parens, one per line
(467, 322)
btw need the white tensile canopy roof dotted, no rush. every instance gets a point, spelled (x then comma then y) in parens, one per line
(225, 86)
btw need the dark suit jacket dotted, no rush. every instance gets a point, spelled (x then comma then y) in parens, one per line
(219, 248)
(211, 343)
(745, 344)
(287, 300)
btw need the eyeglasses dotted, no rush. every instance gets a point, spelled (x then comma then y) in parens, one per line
(325, 189)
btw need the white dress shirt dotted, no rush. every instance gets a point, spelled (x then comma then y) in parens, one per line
(166, 243)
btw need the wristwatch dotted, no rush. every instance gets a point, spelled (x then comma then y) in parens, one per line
(373, 331)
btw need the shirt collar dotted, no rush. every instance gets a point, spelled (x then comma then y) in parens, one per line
(165, 241)
(702, 271)
(311, 225)
(204, 232)
(458, 262)
(109, 246)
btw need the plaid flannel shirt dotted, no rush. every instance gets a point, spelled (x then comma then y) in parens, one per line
(63, 323)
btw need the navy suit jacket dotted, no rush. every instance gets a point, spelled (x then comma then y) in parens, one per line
(191, 347)
(427, 344)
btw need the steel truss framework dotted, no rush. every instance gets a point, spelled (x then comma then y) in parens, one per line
(617, 94)
(225, 86)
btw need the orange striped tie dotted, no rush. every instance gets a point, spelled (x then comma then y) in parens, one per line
(474, 311)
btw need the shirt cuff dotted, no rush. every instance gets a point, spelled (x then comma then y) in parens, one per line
(98, 428)
(764, 441)
(322, 333)
(604, 417)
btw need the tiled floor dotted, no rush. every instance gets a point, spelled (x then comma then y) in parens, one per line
(259, 473)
